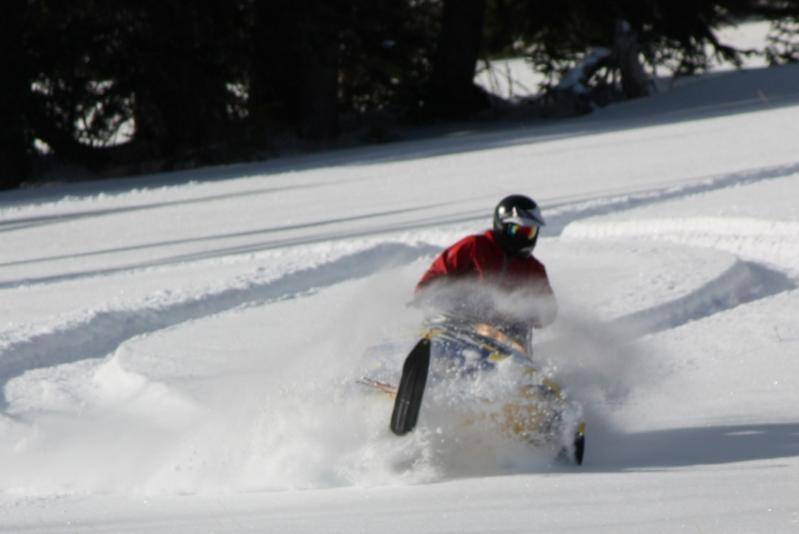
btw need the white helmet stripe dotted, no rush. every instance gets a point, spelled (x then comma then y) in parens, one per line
(523, 217)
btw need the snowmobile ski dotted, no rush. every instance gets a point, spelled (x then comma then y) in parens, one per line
(579, 444)
(408, 401)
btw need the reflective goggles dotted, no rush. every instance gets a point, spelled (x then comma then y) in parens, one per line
(529, 232)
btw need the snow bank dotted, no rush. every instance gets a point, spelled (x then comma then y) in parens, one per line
(774, 243)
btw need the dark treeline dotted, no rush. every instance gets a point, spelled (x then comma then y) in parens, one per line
(131, 86)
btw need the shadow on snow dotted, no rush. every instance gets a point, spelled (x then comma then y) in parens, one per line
(682, 447)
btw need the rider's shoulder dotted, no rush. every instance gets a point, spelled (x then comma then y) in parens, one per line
(471, 241)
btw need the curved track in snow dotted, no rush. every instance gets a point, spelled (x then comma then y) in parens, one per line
(769, 252)
(101, 332)
(566, 213)
(763, 245)
(742, 283)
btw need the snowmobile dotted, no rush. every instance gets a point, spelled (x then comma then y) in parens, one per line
(491, 378)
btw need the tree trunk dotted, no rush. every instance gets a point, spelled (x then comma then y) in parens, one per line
(634, 81)
(15, 139)
(179, 92)
(453, 92)
(294, 75)
(268, 71)
(319, 115)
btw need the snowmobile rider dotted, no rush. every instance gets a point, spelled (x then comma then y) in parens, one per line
(502, 258)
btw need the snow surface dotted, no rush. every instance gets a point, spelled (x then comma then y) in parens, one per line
(178, 352)
(515, 78)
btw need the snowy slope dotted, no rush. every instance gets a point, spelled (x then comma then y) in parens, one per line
(177, 352)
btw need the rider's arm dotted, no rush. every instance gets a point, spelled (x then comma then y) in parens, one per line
(548, 310)
(545, 303)
(455, 261)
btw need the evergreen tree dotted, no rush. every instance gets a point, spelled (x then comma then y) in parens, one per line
(206, 82)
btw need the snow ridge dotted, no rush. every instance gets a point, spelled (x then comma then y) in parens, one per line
(99, 332)
(563, 215)
(743, 282)
(774, 243)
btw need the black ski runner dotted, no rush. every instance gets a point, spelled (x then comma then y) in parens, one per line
(411, 388)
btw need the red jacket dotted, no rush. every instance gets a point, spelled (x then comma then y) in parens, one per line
(480, 257)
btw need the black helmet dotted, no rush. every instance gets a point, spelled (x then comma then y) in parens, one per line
(517, 219)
